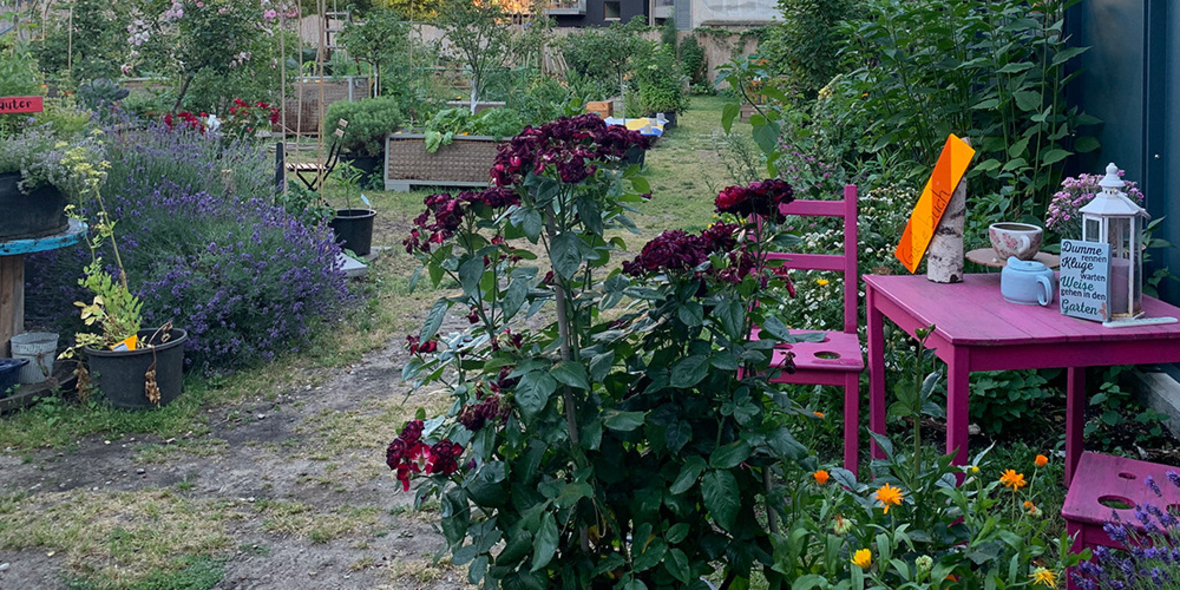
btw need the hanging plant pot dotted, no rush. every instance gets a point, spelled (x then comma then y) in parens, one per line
(354, 229)
(37, 214)
(121, 376)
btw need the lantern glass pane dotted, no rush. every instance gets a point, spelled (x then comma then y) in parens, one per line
(1091, 230)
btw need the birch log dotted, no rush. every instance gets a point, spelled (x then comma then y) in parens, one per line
(945, 254)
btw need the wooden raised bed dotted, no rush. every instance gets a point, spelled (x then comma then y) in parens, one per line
(466, 162)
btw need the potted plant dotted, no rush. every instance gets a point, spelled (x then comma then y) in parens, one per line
(362, 140)
(661, 88)
(134, 368)
(30, 175)
(353, 225)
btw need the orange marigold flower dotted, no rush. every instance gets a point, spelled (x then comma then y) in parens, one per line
(1041, 461)
(1013, 480)
(821, 477)
(818, 414)
(888, 496)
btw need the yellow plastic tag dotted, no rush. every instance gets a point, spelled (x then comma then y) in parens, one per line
(128, 344)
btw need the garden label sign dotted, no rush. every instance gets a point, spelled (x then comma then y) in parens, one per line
(919, 230)
(21, 104)
(1085, 280)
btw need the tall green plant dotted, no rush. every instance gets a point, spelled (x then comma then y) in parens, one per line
(992, 70)
(805, 46)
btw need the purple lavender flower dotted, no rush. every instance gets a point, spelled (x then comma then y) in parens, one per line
(1150, 481)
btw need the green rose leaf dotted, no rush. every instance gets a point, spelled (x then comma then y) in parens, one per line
(622, 421)
(690, 371)
(721, 495)
(545, 542)
(730, 456)
(565, 255)
(533, 391)
(570, 373)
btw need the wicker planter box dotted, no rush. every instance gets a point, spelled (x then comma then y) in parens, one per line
(467, 162)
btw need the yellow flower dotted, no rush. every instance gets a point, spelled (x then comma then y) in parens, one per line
(822, 282)
(821, 477)
(1041, 461)
(1013, 480)
(888, 495)
(973, 470)
(863, 558)
(1045, 577)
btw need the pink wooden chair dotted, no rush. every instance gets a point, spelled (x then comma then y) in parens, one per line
(838, 360)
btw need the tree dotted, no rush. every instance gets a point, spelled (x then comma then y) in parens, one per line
(476, 36)
(382, 39)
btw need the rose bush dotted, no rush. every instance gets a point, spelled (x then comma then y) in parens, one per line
(629, 442)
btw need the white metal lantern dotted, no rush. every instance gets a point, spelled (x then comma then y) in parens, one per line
(1113, 218)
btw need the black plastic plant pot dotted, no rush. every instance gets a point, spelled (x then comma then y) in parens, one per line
(354, 229)
(10, 374)
(121, 375)
(37, 214)
(635, 155)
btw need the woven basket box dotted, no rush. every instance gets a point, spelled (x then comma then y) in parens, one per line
(466, 162)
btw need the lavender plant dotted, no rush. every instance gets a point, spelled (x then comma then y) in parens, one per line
(206, 249)
(1151, 558)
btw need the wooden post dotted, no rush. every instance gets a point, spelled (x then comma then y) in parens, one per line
(944, 263)
(12, 299)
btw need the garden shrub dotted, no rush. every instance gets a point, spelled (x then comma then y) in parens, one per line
(692, 61)
(369, 121)
(204, 246)
(805, 46)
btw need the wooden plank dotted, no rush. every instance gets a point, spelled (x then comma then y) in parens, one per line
(818, 208)
(12, 299)
(833, 262)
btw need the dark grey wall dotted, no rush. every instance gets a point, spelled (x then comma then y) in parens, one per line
(1131, 80)
(596, 10)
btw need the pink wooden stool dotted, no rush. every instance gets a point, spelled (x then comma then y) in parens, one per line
(1103, 479)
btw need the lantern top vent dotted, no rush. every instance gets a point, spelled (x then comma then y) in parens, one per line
(1112, 202)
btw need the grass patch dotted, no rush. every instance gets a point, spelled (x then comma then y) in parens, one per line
(117, 539)
(301, 520)
(165, 453)
(198, 573)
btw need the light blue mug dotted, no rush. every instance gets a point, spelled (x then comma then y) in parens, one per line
(1027, 282)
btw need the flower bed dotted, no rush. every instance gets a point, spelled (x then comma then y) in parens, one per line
(465, 162)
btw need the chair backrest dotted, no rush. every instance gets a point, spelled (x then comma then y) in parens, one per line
(843, 263)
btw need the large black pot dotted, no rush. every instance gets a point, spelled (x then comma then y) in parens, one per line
(369, 165)
(354, 228)
(37, 214)
(120, 375)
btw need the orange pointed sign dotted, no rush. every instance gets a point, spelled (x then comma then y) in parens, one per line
(919, 230)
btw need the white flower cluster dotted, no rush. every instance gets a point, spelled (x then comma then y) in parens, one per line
(139, 33)
(174, 12)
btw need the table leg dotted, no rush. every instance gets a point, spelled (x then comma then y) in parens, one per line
(12, 299)
(958, 385)
(876, 337)
(1075, 418)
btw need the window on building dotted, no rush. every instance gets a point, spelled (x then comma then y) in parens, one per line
(613, 10)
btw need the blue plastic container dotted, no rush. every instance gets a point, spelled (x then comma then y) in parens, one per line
(10, 374)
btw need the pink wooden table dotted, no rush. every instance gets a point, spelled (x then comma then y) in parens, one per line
(976, 330)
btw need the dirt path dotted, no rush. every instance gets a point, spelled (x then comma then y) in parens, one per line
(288, 492)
